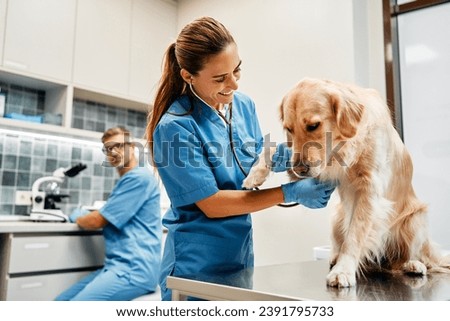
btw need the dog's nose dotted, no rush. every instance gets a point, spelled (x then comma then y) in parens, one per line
(301, 169)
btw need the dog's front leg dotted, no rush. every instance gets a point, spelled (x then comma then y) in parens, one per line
(350, 235)
(337, 233)
(259, 172)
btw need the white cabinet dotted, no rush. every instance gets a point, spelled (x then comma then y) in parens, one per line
(119, 45)
(55, 252)
(152, 30)
(44, 287)
(39, 37)
(39, 266)
(2, 27)
(102, 45)
(105, 51)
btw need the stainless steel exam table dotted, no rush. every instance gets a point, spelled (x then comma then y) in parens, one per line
(306, 281)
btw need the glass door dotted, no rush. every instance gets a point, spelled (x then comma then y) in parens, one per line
(424, 72)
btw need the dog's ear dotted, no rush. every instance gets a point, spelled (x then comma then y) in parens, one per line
(348, 112)
(280, 110)
(281, 113)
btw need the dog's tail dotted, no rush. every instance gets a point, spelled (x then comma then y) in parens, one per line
(441, 266)
(434, 260)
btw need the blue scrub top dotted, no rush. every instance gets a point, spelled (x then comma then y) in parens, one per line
(133, 235)
(193, 155)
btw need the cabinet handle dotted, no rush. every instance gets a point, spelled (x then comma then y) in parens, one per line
(15, 65)
(31, 285)
(35, 246)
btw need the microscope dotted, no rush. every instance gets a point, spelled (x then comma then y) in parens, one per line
(44, 198)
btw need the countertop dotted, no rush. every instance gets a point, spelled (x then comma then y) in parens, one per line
(307, 281)
(18, 224)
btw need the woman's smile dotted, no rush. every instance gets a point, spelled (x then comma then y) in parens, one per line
(227, 93)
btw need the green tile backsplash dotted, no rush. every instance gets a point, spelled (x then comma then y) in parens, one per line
(98, 117)
(19, 168)
(25, 157)
(23, 100)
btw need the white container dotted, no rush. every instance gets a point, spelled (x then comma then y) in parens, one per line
(2, 103)
(321, 252)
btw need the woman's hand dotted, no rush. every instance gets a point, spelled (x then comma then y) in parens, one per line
(281, 160)
(309, 192)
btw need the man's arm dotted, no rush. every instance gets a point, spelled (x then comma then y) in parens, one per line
(92, 221)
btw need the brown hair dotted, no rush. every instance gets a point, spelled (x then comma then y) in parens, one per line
(116, 131)
(196, 43)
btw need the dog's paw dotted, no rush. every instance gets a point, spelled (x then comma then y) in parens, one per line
(341, 279)
(256, 177)
(348, 293)
(333, 259)
(414, 267)
(416, 281)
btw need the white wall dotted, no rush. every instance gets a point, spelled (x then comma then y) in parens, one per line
(280, 42)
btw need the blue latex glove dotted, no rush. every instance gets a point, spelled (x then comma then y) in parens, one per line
(281, 160)
(76, 214)
(309, 192)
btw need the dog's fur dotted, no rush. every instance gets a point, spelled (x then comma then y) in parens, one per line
(344, 133)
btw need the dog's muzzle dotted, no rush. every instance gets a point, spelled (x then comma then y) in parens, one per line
(299, 170)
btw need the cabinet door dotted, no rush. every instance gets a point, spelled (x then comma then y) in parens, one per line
(102, 45)
(30, 254)
(44, 287)
(153, 27)
(39, 37)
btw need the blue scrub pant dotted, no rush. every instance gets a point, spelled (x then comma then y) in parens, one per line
(102, 285)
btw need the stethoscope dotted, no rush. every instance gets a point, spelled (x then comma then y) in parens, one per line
(228, 122)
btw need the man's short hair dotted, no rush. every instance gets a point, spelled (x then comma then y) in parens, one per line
(116, 131)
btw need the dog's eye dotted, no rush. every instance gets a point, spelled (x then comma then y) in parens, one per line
(289, 130)
(312, 127)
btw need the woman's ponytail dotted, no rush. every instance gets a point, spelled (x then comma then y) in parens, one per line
(171, 86)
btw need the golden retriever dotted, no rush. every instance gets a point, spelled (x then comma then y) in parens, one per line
(344, 133)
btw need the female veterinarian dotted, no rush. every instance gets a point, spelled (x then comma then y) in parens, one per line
(197, 120)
